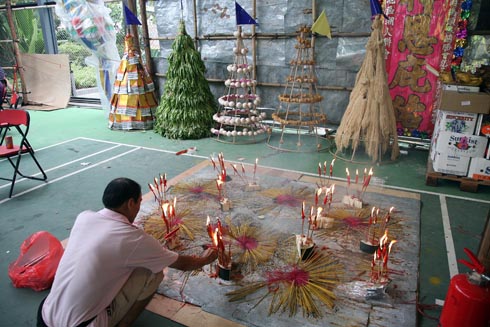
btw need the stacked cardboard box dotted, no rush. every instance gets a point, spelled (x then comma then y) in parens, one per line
(457, 145)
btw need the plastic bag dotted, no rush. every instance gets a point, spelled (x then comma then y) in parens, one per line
(36, 265)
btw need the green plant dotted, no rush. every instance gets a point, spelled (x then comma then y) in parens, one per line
(28, 32)
(187, 105)
(84, 75)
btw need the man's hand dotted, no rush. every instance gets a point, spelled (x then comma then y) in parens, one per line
(210, 255)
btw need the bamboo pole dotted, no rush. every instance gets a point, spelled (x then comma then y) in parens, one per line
(313, 37)
(265, 84)
(15, 44)
(134, 28)
(196, 44)
(265, 36)
(146, 36)
(254, 46)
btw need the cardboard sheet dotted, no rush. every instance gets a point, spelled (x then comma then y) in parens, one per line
(47, 79)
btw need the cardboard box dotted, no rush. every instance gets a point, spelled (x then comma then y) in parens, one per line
(483, 125)
(451, 164)
(461, 144)
(461, 88)
(465, 102)
(457, 122)
(479, 169)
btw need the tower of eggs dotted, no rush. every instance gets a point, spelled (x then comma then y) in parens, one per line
(238, 120)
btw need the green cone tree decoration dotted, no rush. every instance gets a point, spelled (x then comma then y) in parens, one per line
(187, 105)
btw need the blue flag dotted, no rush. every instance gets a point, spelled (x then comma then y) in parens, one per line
(376, 8)
(242, 17)
(131, 19)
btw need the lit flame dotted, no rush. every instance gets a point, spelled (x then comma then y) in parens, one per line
(370, 171)
(383, 239)
(165, 208)
(215, 237)
(390, 245)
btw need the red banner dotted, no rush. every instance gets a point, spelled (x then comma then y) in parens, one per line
(418, 46)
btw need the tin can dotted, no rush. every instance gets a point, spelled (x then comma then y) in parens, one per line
(9, 143)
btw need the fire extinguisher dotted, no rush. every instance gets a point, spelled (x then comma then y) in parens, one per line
(467, 301)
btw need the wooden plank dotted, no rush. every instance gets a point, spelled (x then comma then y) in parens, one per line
(466, 184)
(186, 314)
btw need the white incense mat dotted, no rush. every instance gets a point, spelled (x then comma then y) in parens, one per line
(275, 211)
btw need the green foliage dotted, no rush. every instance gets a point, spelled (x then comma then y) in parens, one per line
(28, 31)
(187, 105)
(84, 75)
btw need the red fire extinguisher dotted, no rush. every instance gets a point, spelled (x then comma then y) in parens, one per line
(467, 301)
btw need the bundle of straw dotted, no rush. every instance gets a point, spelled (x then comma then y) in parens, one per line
(305, 285)
(369, 116)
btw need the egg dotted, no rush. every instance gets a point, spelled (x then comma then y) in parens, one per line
(236, 34)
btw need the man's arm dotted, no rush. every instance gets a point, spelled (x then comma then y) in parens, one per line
(189, 262)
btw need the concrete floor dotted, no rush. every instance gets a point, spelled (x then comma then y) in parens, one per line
(65, 139)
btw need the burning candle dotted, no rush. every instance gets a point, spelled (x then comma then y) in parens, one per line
(331, 167)
(348, 176)
(357, 175)
(213, 162)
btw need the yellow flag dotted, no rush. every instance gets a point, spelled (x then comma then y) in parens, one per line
(321, 25)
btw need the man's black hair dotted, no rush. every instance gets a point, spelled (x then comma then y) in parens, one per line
(120, 190)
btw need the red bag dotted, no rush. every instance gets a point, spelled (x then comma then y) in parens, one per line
(36, 265)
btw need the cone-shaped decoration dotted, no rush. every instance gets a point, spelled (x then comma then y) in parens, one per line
(187, 105)
(133, 101)
(370, 118)
(242, 17)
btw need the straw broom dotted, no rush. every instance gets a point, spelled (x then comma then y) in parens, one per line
(369, 116)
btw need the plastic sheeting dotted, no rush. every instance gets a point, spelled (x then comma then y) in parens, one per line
(337, 60)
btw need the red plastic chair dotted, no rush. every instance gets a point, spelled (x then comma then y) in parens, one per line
(18, 120)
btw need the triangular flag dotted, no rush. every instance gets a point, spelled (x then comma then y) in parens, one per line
(376, 8)
(321, 25)
(131, 19)
(242, 17)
